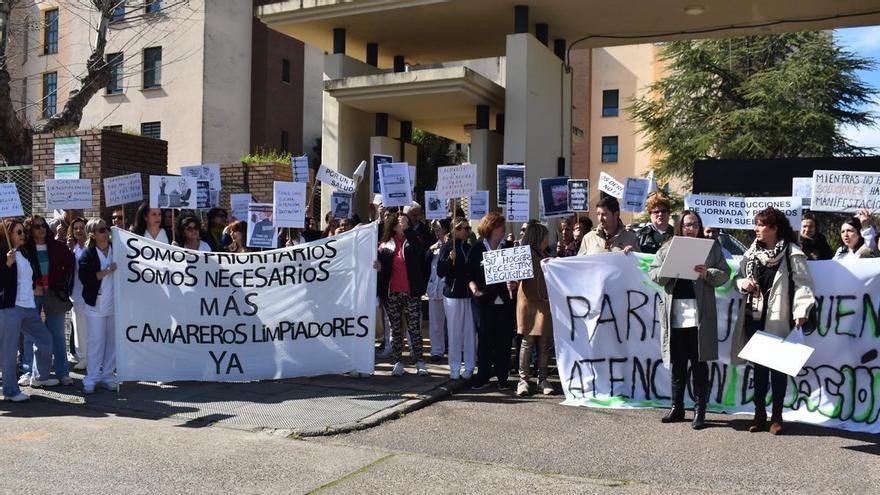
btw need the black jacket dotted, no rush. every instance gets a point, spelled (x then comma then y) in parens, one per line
(816, 249)
(456, 278)
(413, 256)
(650, 240)
(9, 281)
(89, 266)
(490, 292)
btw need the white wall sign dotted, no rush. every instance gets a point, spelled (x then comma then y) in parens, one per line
(396, 188)
(635, 194)
(10, 201)
(611, 186)
(579, 194)
(457, 181)
(478, 204)
(289, 204)
(67, 150)
(68, 194)
(845, 191)
(238, 203)
(518, 205)
(335, 179)
(729, 212)
(169, 191)
(507, 265)
(123, 189)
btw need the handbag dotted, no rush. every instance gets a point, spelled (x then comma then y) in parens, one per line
(812, 322)
(57, 302)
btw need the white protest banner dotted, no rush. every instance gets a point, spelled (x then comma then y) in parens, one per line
(289, 204)
(335, 179)
(435, 208)
(579, 194)
(301, 311)
(507, 265)
(509, 177)
(67, 150)
(169, 191)
(554, 197)
(340, 205)
(300, 167)
(261, 231)
(208, 181)
(10, 201)
(635, 194)
(68, 194)
(456, 181)
(845, 191)
(611, 186)
(238, 203)
(396, 189)
(518, 205)
(478, 204)
(377, 160)
(802, 187)
(729, 212)
(606, 328)
(123, 189)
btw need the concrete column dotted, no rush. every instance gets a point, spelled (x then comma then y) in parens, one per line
(399, 63)
(487, 151)
(542, 32)
(499, 123)
(339, 41)
(521, 19)
(559, 48)
(373, 54)
(482, 116)
(381, 125)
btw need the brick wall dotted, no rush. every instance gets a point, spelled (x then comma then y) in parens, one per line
(104, 154)
(257, 179)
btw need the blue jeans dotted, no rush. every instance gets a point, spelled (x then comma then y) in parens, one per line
(55, 324)
(13, 322)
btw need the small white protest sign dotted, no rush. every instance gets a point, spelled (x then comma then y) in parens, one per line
(394, 181)
(635, 194)
(335, 179)
(457, 181)
(478, 204)
(845, 191)
(10, 201)
(802, 187)
(261, 231)
(518, 205)
(776, 353)
(238, 203)
(435, 208)
(289, 204)
(579, 194)
(611, 186)
(729, 212)
(340, 205)
(68, 194)
(300, 167)
(123, 189)
(209, 183)
(507, 265)
(170, 191)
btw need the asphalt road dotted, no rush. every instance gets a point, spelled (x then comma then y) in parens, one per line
(475, 442)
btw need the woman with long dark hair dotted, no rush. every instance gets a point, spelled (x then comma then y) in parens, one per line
(148, 222)
(688, 321)
(778, 289)
(852, 243)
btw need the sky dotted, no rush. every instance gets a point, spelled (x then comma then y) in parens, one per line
(865, 42)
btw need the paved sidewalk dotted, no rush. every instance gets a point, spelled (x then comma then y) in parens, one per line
(315, 406)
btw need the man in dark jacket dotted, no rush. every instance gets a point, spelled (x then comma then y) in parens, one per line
(813, 243)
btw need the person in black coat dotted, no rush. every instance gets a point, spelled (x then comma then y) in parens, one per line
(401, 284)
(453, 267)
(495, 307)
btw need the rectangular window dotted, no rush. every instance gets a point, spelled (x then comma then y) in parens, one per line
(610, 102)
(153, 6)
(285, 70)
(285, 141)
(609, 149)
(50, 96)
(117, 128)
(50, 31)
(153, 67)
(118, 11)
(151, 130)
(114, 60)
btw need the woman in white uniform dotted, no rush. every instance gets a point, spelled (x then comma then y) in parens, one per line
(96, 269)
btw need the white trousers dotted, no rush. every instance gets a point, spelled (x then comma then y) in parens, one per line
(437, 326)
(102, 350)
(80, 330)
(462, 339)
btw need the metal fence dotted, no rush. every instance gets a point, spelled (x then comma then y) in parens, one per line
(22, 176)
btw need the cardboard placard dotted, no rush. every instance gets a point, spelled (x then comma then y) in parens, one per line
(396, 188)
(123, 189)
(554, 197)
(635, 194)
(611, 186)
(208, 184)
(260, 226)
(579, 194)
(478, 204)
(379, 159)
(10, 201)
(340, 205)
(518, 205)
(845, 191)
(508, 265)
(300, 167)
(68, 194)
(335, 179)
(457, 181)
(238, 203)
(170, 191)
(289, 204)
(509, 177)
(730, 212)
(435, 208)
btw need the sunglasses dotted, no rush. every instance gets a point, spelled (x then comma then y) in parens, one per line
(102, 230)
(38, 225)
(659, 212)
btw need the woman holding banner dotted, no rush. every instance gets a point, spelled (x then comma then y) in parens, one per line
(190, 230)
(96, 269)
(778, 290)
(18, 314)
(148, 223)
(533, 320)
(689, 322)
(853, 244)
(453, 267)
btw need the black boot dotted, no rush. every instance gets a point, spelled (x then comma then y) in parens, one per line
(776, 417)
(701, 391)
(675, 414)
(759, 423)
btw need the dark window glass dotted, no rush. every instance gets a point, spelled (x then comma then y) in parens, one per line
(117, 128)
(285, 141)
(50, 94)
(151, 130)
(114, 60)
(118, 11)
(153, 67)
(285, 70)
(609, 149)
(610, 102)
(50, 31)
(153, 6)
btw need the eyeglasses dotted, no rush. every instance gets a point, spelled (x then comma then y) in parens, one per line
(117, 217)
(659, 212)
(102, 230)
(689, 225)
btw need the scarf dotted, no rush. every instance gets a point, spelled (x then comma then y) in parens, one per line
(761, 257)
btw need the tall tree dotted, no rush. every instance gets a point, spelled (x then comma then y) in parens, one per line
(772, 96)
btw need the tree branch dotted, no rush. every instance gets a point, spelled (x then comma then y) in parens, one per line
(16, 142)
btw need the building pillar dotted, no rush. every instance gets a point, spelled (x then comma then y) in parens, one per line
(381, 125)
(482, 116)
(542, 32)
(499, 123)
(339, 41)
(487, 151)
(373, 54)
(399, 63)
(521, 19)
(559, 48)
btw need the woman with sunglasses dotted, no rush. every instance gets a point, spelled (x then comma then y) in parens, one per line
(96, 269)
(689, 322)
(453, 267)
(190, 230)
(658, 230)
(54, 271)
(18, 314)
(76, 242)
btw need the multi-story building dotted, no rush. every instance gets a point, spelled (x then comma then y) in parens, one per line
(206, 76)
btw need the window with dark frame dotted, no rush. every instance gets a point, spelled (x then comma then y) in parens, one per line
(610, 103)
(285, 70)
(50, 94)
(285, 141)
(117, 128)
(118, 11)
(609, 149)
(50, 32)
(151, 130)
(115, 61)
(153, 67)
(153, 6)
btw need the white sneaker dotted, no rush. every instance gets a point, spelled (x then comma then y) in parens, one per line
(522, 388)
(67, 381)
(25, 380)
(71, 358)
(546, 387)
(467, 374)
(50, 382)
(21, 397)
(420, 369)
(88, 388)
(398, 369)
